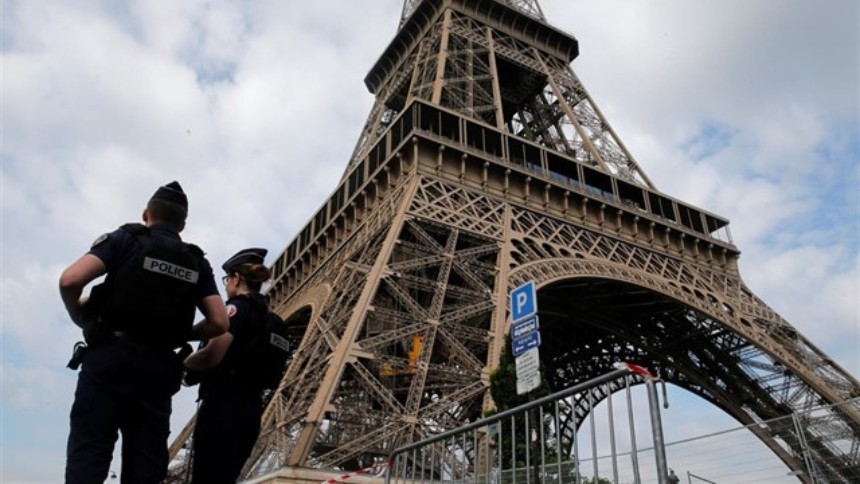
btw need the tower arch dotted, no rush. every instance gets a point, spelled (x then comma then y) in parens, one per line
(594, 313)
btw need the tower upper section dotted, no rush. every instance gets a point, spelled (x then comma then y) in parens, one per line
(528, 7)
(497, 62)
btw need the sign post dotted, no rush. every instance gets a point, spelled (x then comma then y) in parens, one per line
(525, 337)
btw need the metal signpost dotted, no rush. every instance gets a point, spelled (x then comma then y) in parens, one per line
(525, 337)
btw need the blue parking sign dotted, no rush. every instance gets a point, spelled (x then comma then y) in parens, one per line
(523, 301)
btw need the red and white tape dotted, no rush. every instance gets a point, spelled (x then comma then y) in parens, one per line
(635, 369)
(374, 470)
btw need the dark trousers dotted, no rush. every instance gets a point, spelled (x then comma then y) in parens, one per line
(225, 432)
(123, 387)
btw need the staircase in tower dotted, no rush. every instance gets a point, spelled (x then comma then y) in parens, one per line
(485, 163)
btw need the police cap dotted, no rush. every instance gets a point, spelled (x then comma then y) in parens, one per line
(171, 192)
(253, 256)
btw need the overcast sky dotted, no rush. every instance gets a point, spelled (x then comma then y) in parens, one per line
(747, 109)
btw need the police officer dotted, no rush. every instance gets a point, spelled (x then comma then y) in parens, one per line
(144, 311)
(231, 387)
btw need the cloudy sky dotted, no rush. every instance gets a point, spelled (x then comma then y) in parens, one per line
(748, 109)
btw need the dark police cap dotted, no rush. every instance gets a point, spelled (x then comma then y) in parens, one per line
(253, 256)
(171, 192)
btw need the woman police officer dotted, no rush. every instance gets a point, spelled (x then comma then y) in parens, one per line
(230, 394)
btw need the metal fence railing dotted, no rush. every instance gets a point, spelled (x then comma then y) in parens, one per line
(735, 456)
(538, 442)
(541, 442)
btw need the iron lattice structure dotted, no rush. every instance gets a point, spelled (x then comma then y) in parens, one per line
(483, 164)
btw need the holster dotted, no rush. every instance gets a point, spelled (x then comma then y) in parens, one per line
(78, 353)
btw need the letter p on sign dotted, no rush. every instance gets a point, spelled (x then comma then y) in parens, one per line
(523, 301)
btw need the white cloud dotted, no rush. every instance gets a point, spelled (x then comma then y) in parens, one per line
(665, 72)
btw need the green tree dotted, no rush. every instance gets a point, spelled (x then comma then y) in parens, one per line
(503, 382)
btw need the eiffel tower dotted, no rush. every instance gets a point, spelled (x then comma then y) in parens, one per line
(484, 163)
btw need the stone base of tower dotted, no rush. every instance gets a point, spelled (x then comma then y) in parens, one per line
(301, 475)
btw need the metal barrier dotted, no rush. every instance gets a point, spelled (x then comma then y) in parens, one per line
(735, 455)
(537, 442)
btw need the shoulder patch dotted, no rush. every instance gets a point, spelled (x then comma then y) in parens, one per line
(231, 310)
(100, 239)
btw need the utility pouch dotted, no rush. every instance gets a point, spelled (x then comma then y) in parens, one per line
(78, 353)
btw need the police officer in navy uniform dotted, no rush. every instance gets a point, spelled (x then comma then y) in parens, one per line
(231, 391)
(133, 324)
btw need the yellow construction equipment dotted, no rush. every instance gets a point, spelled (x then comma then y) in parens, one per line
(414, 353)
